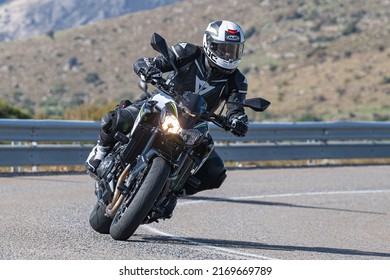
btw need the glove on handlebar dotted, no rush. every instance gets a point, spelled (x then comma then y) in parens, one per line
(149, 74)
(239, 125)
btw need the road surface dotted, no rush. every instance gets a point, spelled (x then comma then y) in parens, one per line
(314, 213)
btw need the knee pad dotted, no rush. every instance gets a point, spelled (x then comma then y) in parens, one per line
(206, 183)
(211, 175)
(108, 120)
(221, 178)
(213, 165)
(120, 119)
(214, 172)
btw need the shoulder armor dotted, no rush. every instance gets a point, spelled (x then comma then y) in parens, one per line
(241, 82)
(185, 50)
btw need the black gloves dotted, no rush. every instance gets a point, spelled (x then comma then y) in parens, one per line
(149, 74)
(239, 125)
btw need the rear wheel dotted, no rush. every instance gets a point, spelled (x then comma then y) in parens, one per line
(131, 214)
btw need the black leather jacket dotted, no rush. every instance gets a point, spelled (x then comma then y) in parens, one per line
(195, 75)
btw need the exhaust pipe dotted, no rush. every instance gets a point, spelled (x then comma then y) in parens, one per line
(118, 197)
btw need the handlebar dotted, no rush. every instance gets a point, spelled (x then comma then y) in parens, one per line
(166, 86)
(218, 120)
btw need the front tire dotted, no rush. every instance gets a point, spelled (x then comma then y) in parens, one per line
(98, 220)
(129, 217)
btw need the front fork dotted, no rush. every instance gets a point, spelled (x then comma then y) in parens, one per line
(121, 189)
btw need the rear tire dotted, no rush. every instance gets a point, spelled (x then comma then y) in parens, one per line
(129, 217)
(98, 220)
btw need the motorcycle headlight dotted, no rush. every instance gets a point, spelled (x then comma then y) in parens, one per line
(170, 124)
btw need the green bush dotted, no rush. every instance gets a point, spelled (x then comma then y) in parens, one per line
(92, 78)
(351, 28)
(386, 80)
(8, 111)
(251, 31)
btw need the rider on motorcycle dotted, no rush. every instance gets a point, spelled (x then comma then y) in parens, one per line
(211, 71)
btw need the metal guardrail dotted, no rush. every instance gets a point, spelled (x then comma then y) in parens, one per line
(71, 141)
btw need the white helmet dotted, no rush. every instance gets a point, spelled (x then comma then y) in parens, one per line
(223, 43)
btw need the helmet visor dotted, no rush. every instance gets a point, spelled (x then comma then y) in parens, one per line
(227, 51)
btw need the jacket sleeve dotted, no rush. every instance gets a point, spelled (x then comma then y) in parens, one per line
(144, 63)
(237, 93)
(180, 53)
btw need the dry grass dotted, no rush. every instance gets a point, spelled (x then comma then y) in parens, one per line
(79, 169)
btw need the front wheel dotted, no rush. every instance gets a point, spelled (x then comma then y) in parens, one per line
(130, 216)
(98, 220)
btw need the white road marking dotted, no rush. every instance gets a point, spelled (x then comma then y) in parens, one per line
(288, 195)
(236, 253)
(225, 251)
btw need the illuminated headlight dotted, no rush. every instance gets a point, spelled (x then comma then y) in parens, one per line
(190, 136)
(171, 124)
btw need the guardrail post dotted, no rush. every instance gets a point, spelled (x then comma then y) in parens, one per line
(16, 169)
(34, 168)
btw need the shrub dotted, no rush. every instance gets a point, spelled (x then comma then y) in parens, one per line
(251, 31)
(350, 28)
(50, 34)
(92, 78)
(8, 111)
(386, 80)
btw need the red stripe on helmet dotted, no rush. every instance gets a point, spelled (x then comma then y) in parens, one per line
(232, 31)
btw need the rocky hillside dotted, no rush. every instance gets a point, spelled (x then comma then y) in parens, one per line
(21, 19)
(314, 59)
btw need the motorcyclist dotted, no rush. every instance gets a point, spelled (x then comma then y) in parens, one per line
(210, 70)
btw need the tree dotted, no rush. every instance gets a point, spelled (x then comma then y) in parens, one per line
(50, 33)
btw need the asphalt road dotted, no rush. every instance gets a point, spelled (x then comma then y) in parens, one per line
(336, 213)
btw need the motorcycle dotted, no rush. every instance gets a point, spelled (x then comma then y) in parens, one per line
(167, 145)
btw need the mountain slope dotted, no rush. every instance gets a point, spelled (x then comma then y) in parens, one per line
(21, 19)
(314, 60)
